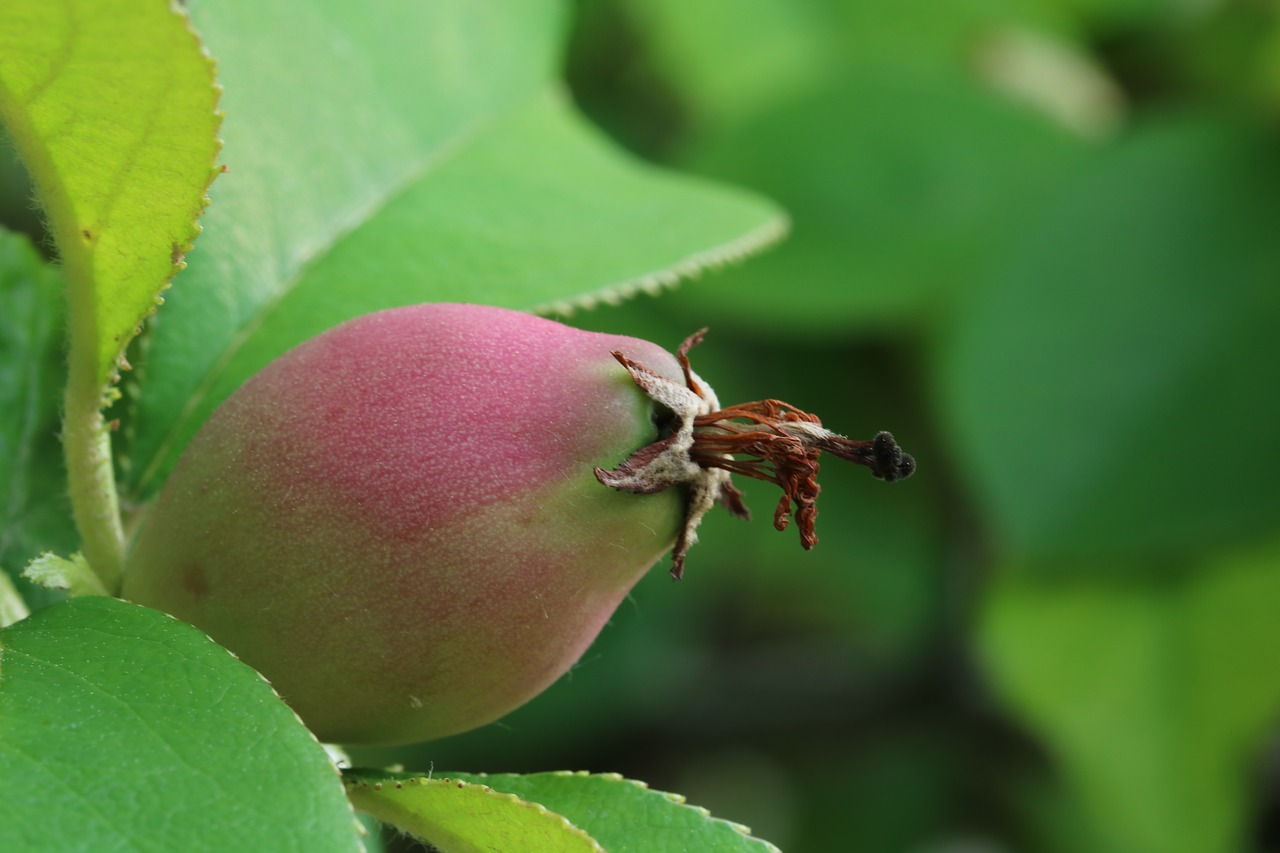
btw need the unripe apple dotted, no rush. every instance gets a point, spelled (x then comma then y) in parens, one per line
(402, 522)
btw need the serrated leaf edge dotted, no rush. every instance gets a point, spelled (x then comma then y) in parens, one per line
(538, 808)
(654, 283)
(356, 217)
(676, 799)
(329, 755)
(360, 831)
(187, 239)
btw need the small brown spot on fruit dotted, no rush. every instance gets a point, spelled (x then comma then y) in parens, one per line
(194, 581)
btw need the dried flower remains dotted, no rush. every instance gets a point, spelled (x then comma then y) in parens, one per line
(767, 440)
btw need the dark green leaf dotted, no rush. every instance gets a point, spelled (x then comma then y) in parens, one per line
(34, 512)
(1107, 393)
(889, 224)
(729, 60)
(124, 729)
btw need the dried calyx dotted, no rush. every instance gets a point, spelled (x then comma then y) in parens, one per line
(769, 440)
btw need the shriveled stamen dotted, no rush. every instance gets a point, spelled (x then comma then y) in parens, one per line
(766, 440)
(774, 441)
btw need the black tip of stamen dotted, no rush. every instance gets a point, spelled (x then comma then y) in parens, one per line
(906, 466)
(888, 461)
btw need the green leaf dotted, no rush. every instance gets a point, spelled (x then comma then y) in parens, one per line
(124, 729)
(34, 512)
(890, 226)
(626, 816)
(730, 60)
(1127, 15)
(437, 161)
(1105, 392)
(1150, 691)
(111, 105)
(455, 816)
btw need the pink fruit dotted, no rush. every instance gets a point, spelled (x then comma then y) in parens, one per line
(401, 522)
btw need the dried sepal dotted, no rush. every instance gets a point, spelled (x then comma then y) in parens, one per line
(767, 440)
(669, 461)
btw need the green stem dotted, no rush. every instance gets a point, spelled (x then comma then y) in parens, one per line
(86, 443)
(90, 474)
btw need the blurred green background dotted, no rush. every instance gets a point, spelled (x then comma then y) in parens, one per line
(1037, 240)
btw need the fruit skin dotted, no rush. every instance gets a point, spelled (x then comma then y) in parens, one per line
(398, 524)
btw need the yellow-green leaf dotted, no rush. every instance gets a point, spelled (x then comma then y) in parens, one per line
(610, 812)
(462, 817)
(1149, 689)
(627, 816)
(112, 106)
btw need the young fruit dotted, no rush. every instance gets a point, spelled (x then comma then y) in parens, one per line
(402, 522)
